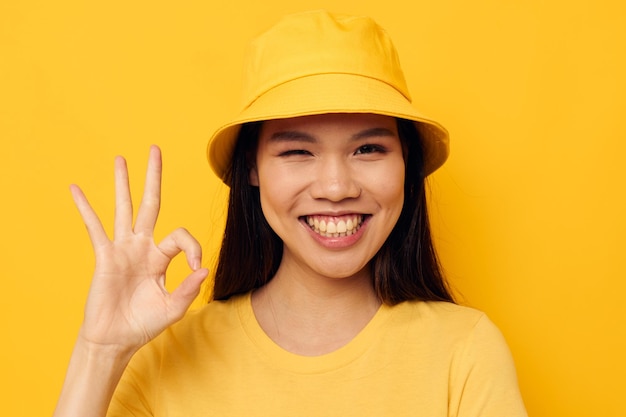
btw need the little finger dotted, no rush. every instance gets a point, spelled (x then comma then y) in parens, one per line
(96, 232)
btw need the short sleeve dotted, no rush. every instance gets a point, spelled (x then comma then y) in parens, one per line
(483, 380)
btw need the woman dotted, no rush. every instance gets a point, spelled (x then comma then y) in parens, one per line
(328, 297)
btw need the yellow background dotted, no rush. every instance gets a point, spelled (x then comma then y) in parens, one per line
(529, 210)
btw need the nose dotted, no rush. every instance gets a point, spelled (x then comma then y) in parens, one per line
(335, 180)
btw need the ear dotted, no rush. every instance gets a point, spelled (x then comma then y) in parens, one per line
(253, 176)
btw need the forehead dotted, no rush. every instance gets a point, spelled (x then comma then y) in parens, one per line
(331, 123)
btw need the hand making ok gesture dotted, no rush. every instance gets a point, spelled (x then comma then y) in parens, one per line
(128, 304)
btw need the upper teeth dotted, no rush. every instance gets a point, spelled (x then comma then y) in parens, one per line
(335, 226)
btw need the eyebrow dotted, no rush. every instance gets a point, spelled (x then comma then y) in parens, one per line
(373, 132)
(291, 135)
(294, 135)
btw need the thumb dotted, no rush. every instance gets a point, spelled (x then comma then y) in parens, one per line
(182, 297)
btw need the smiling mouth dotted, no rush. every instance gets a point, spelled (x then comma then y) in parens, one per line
(335, 226)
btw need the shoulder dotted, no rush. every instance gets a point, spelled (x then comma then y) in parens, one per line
(445, 327)
(440, 317)
(464, 345)
(167, 366)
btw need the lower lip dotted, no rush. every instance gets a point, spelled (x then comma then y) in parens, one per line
(338, 242)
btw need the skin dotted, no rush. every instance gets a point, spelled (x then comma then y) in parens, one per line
(320, 298)
(330, 165)
(128, 304)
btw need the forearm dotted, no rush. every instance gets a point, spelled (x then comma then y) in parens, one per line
(92, 376)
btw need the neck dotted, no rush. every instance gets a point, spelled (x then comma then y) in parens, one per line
(316, 315)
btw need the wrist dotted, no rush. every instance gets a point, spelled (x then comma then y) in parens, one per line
(93, 373)
(113, 352)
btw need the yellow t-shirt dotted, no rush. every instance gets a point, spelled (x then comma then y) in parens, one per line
(426, 359)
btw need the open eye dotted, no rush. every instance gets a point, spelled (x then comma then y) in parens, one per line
(370, 148)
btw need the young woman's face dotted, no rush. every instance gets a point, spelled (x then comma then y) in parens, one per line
(331, 187)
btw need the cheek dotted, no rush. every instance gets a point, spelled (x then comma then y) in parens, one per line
(390, 187)
(396, 199)
(271, 204)
(278, 193)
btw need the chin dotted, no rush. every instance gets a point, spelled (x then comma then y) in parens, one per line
(346, 273)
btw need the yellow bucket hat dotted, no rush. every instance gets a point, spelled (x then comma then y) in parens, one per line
(318, 62)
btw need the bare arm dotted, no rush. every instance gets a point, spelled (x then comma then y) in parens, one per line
(128, 304)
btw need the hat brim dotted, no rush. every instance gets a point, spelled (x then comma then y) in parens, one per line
(329, 93)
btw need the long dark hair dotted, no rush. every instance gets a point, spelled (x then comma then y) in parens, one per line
(405, 268)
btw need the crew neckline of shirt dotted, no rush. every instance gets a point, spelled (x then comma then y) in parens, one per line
(281, 358)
